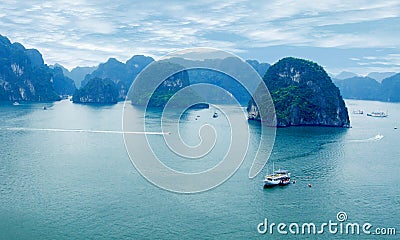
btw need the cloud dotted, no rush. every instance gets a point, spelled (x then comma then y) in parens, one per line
(85, 32)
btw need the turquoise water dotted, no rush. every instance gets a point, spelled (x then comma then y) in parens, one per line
(82, 185)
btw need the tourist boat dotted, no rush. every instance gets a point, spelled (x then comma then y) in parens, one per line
(358, 112)
(377, 114)
(16, 103)
(279, 177)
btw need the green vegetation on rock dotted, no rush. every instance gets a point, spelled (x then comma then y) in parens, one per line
(161, 80)
(97, 90)
(303, 94)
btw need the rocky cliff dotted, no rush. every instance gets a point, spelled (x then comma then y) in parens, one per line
(205, 73)
(62, 85)
(23, 74)
(122, 74)
(97, 90)
(152, 89)
(303, 95)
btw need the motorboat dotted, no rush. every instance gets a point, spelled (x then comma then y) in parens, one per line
(358, 112)
(377, 114)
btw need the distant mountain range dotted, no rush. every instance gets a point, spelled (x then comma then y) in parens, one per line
(25, 77)
(378, 76)
(344, 75)
(366, 88)
(123, 74)
(77, 74)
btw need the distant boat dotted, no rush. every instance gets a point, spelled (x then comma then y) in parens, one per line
(215, 115)
(378, 137)
(279, 177)
(16, 103)
(358, 112)
(377, 114)
(44, 108)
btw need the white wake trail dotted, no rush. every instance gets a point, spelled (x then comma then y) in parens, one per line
(376, 138)
(82, 131)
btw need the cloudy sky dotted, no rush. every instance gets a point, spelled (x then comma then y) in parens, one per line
(358, 35)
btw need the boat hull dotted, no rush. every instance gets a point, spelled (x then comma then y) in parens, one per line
(268, 183)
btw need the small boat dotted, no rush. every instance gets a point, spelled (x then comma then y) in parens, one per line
(358, 112)
(377, 114)
(215, 115)
(378, 137)
(277, 178)
(16, 103)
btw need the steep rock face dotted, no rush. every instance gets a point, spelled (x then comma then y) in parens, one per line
(205, 73)
(97, 90)
(303, 95)
(122, 74)
(148, 92)
(62, 84)
(23, 74)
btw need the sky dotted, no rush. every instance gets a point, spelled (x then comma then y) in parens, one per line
(359, 36)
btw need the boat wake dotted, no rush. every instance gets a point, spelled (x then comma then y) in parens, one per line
(372, 139)
(83, 131)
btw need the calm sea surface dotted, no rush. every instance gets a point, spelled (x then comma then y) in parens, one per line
(82, 185)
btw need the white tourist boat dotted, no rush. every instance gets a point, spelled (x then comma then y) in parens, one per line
(278, 177)
(377, 114)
